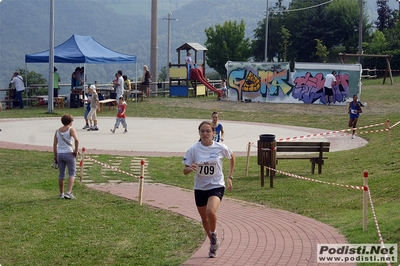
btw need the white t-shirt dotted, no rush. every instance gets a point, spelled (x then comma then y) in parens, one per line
(18, 82)
(209, 173)
(120, 88)
(188, 60)
(329, 79)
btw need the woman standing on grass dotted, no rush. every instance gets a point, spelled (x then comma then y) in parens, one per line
(354, 111)
(205, 159)
(65, 154)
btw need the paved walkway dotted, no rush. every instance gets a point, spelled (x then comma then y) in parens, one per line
(251, 234)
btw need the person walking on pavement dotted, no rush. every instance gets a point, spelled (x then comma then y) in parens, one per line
(205, 159)
(94, 105)
(354, 112)
(219, 129)
(121, 116)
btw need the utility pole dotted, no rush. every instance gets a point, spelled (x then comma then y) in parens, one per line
(399, 8)
(154, 42)
(50, 83)
(169, 40)
(266, 34)
(360, 30)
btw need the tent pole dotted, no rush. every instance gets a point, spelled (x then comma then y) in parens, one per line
(136, 81)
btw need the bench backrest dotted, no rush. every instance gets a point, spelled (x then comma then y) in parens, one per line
(287, 146)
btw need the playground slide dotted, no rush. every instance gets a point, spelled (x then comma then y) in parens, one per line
(196, 74)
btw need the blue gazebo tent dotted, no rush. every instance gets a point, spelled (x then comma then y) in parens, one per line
(83, 50)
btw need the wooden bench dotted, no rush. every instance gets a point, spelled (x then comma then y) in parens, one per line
(313, 151)
(137, 95)
(8, 103)
(42, 100)
(163, 93)
(111, 102)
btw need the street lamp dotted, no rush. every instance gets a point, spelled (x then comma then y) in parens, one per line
(169, 39)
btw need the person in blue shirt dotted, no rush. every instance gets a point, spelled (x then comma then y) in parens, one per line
(354, 112)
(219, 129)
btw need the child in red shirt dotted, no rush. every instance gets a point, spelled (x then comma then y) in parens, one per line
(120, 116)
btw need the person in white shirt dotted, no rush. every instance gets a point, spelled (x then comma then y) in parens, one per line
(18, 82)
(188, 59)
(65, 149)
(205, 159)
(119, 89)
(330, 81)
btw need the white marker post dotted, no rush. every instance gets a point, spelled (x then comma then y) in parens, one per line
(81, 165)
(365, 201)
(387, 124)
(248, 160)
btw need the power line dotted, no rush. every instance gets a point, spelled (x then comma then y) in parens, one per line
(263, 11)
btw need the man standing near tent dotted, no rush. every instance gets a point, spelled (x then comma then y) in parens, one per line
(57, 79)
(119, 88)
(18, 82)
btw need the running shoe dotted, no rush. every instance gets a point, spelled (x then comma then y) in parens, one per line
(69, 195)
(214, 245)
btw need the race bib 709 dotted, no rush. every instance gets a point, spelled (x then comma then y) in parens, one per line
(206, 168)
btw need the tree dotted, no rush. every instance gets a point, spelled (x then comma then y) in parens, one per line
(378, 43)
(343, 19)
(322, 51)
(33, 77)
(162, 76)
(274, 35)
(226, 43)
(386, 17)
(285, 42)
(392, 36)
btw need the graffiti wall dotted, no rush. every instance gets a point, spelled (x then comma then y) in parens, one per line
(273, 82)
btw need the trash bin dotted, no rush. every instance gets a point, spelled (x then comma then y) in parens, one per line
(74, 101)
(265, 141)
(266, 154)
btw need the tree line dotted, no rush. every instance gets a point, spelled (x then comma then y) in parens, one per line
(303, 34)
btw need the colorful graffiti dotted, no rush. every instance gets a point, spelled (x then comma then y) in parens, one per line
(273, 82)
(255, 80)
(309, 88)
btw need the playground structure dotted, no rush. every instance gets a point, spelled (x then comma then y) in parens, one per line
(387, 57)
(182, 75)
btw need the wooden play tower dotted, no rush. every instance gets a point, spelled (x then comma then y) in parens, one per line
(179, 74)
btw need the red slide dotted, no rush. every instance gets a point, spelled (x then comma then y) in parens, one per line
(196, 73)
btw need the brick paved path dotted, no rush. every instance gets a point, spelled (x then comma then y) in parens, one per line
(251, 234)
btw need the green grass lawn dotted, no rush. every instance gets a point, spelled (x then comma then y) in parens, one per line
(36, 228)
